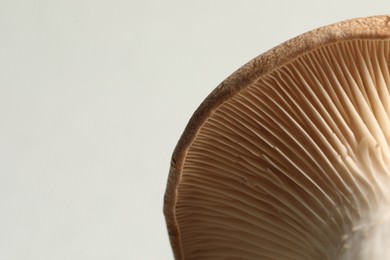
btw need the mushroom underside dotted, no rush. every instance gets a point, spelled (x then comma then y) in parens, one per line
(295, 165)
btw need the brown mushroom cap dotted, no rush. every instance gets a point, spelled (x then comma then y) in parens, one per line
(288, 158)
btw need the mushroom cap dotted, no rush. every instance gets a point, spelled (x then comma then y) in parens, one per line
(288, 158)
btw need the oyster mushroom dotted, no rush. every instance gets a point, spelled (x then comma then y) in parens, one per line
(288, 158)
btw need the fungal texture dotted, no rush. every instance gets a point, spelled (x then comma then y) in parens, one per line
(295, 165)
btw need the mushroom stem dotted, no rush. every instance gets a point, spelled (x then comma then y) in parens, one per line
(369, 241)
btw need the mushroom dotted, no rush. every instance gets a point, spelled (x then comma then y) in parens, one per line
(288, 158)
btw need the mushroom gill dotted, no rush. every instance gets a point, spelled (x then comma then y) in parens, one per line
(289, 157)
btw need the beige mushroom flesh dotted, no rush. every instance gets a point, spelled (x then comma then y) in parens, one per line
(288, 158)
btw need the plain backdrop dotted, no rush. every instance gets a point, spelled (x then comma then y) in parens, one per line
(94, 96)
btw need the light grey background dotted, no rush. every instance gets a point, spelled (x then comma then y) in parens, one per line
(93, 98)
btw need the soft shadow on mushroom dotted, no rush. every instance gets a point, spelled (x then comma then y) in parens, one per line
(288, 158)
